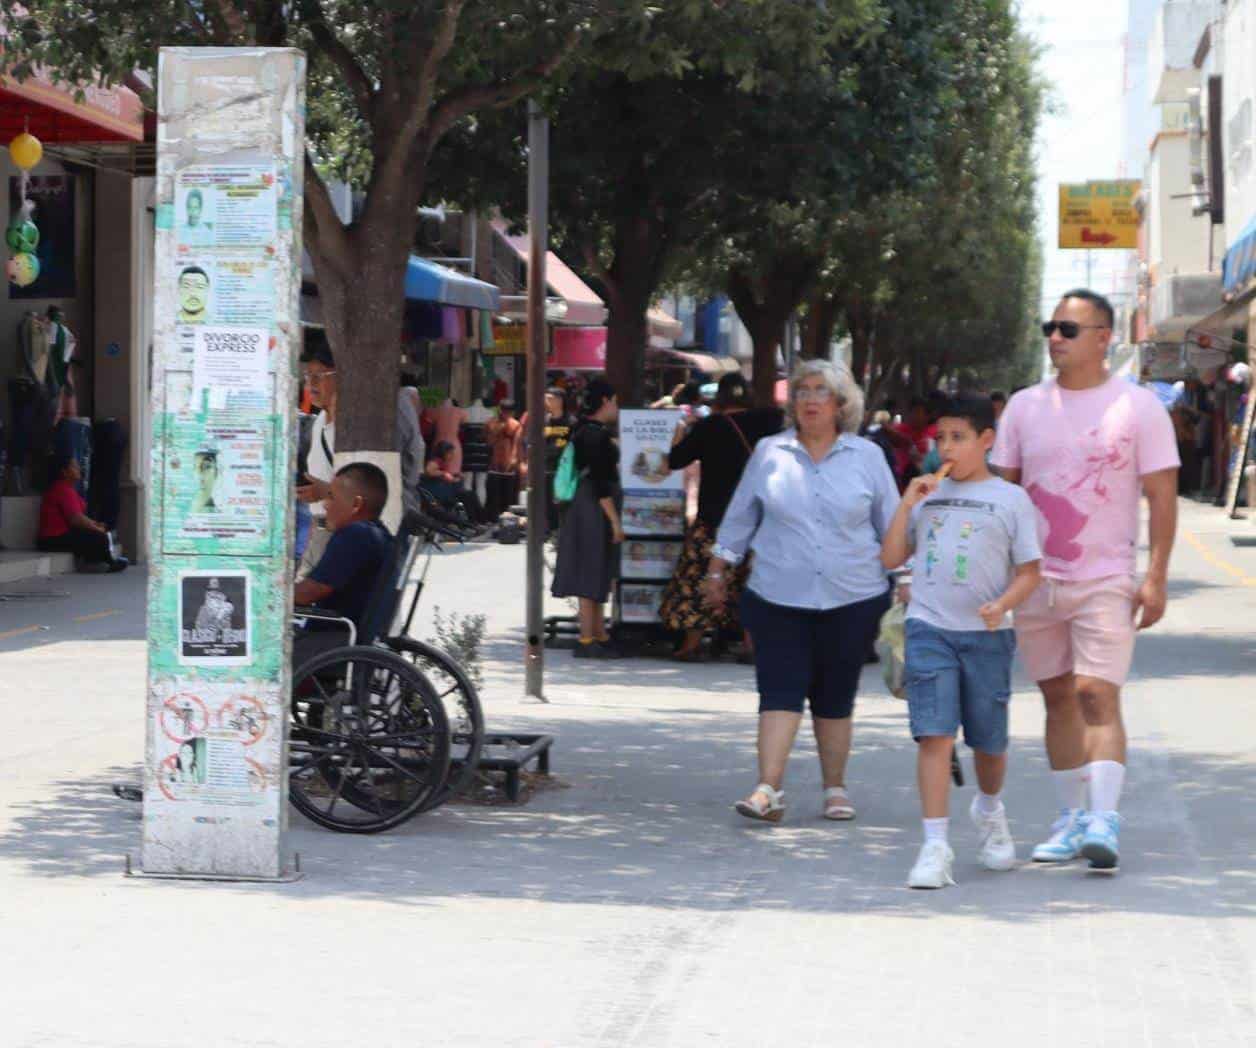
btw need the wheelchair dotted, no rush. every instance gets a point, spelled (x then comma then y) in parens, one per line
(383, 727)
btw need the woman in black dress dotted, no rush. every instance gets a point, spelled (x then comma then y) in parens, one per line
(722, 442)
(591, 527)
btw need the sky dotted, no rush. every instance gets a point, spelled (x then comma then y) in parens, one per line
(1083, 60)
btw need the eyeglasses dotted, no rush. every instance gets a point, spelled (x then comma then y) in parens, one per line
(1068, 329)
(819, 395)
(314, 377)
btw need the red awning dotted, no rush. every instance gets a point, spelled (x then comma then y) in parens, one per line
(106, 114)
(578, 349)
(584, 308)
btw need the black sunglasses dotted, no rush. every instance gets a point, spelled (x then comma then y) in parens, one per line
(1070, 329)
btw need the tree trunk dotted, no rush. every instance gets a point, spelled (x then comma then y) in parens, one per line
(361, 283)
(631, 281)
(627, 334)
(860, 342)
(818, 330)
(764, 303)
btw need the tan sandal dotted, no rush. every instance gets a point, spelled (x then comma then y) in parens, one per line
(752, 808)
(837, 804)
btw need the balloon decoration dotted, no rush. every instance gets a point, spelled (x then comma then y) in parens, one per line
(23, 269)
(26, 150)
(22, 236)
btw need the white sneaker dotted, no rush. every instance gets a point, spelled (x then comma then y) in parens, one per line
(997, 852)
(933, 866)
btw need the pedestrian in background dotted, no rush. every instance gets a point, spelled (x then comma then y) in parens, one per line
(975, 540)
(722, 444)
(1085, 446)
(813, 507)
(591, 527)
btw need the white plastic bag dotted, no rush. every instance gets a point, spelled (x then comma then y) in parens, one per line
(892, 649)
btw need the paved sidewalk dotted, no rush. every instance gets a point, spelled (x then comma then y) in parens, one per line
(630, 907)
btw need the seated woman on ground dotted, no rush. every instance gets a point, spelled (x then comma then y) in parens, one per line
(65, 527)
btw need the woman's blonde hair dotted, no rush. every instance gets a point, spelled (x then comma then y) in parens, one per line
(841, 382)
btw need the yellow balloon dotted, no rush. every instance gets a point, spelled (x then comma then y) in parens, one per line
(26, 150)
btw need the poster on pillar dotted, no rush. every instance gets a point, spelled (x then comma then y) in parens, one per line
(226, 298)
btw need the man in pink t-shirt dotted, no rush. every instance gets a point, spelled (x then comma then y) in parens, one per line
(1086, 446)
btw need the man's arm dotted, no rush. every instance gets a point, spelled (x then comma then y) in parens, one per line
(1161, 491)
(309, 592)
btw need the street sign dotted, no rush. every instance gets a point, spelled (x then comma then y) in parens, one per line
(230, 160)
(1099, 215)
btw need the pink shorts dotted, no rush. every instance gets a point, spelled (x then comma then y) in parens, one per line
(1084, 627)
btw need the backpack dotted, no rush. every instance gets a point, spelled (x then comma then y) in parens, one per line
(566, 478)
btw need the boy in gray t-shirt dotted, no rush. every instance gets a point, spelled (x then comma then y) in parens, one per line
(975, 542)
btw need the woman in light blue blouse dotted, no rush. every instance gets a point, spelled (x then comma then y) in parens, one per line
(812, 506)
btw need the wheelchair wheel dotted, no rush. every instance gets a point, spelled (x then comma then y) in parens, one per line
(369, 741)
(462, 707)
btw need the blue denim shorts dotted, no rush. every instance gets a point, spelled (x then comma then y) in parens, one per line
(960, 677)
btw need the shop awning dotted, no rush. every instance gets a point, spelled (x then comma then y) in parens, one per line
(578, 349)
(707, 363)
(584, 308)
(665, 329)
(1239, 267)
(431, 282)
(105, 114)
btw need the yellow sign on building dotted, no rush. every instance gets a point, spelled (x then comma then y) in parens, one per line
(1099, 215)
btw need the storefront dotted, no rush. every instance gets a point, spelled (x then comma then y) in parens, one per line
(91, 269)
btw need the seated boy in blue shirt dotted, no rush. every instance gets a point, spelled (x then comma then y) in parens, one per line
(975, 541)
(345, 576)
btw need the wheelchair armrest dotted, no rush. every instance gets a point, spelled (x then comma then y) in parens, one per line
(303, 614)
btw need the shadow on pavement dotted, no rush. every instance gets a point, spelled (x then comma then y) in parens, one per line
(644, 820)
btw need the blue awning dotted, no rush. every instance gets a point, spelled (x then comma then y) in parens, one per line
(431, 282)
(1240, 261)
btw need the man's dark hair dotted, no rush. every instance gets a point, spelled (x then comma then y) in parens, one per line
(998, 397)
(733, 391)
(317, 351)
(976, 410)
(917, 402)
(192, 271)
(1095, 299)
(61, 462)
(196, 195)
(596, 393)
(369, 482)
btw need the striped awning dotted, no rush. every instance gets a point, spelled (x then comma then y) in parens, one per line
(1239, 266)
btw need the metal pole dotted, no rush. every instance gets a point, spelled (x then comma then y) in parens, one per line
(538, 237)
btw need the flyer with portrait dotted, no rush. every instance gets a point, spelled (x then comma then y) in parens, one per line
(219, 475)
(225, 206)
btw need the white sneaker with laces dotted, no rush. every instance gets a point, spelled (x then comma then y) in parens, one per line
(998, 851)
(933, 866)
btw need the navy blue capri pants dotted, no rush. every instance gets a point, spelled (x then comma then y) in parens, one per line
(817, 656)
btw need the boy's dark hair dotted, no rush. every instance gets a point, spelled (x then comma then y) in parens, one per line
(370, 483)
(1095, 299)
(998, 397)
(977, 411)
(442, 449)
(61, 462)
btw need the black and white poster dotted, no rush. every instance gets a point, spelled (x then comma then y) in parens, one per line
(214, 619)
